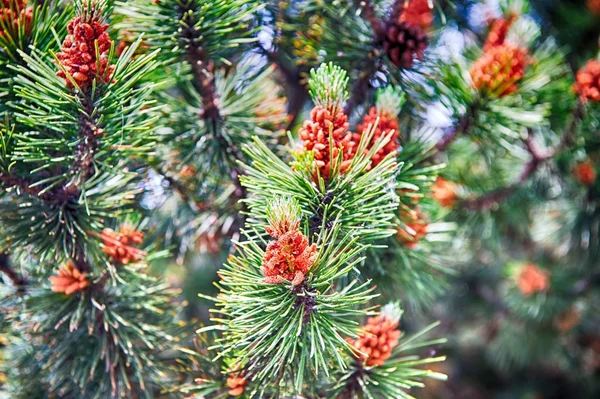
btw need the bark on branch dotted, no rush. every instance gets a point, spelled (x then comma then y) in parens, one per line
(537, 158)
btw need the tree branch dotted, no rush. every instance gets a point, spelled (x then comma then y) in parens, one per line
(297, 93)
(202, 67)
(360, 87)
(538, 158)
(19, 281)
(464, 126)
(359, 91)
(369, 13)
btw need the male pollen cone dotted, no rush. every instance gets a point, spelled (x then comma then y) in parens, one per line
(386, 124)
(315, 134)
(499, 70)
(418, 12)
(415, 221)
(587, 82)
(498, 31)
(14, 13)
(119, 245)
(69, 279)
(533, 279)
(585, 173)
(376, 340)
(78, 53)
(444, 192)
(236, 384)
(289, 257)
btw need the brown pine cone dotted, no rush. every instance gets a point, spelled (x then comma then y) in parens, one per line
(402, 42)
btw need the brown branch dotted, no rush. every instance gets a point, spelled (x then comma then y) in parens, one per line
(360, 87)
(369, 13)
(19, 281)
(297, 93)
(538, 158)
(359, 91)
(202, 66)
(20, 184)
(87, 147)
(463, 127)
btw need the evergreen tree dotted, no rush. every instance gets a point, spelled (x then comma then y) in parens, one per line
(289, 152)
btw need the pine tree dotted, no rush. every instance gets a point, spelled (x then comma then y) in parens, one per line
(288, 152)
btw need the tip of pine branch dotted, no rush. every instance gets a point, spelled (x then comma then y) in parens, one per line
(327, 87)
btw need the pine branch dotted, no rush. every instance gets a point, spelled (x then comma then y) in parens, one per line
(202, 66)
(538, 158)
(297, 93)
(463, 127)
(369, 13)
(359, 90)
(361, 85)
(21, 184)
(19, 281)
(88, 132)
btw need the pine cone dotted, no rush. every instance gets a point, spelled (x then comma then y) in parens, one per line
(444, 192)
(387, 123)
(376, 340)
(499, 70)
(315, 135)
(290, 258)
(587, 82)
(118, 246)
(402, 42)
(498, 30)
(532, 279)
(78, 54)
(69, 279)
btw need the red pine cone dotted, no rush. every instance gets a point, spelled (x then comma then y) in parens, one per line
(376, 340)
(69, 279)
(444, 192)
(585, 173)
(386, 124)
(533, 279)
(499, 70)
(417, 222)
(289, 257)
(315, 134)
(587, 82)
(236, 385)
(13, 13)
(118, 246)
(78, 54)
(403, 41)
(498, 30)
(417, 12)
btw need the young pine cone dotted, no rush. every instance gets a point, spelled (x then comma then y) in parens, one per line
(403, 41)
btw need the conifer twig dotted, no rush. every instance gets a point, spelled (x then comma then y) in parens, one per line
(19, 281)
(463, 127)
(369, 13)
(297, 93)
(361, 85)
(359, 91)
(538, 158)
(202, 67)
